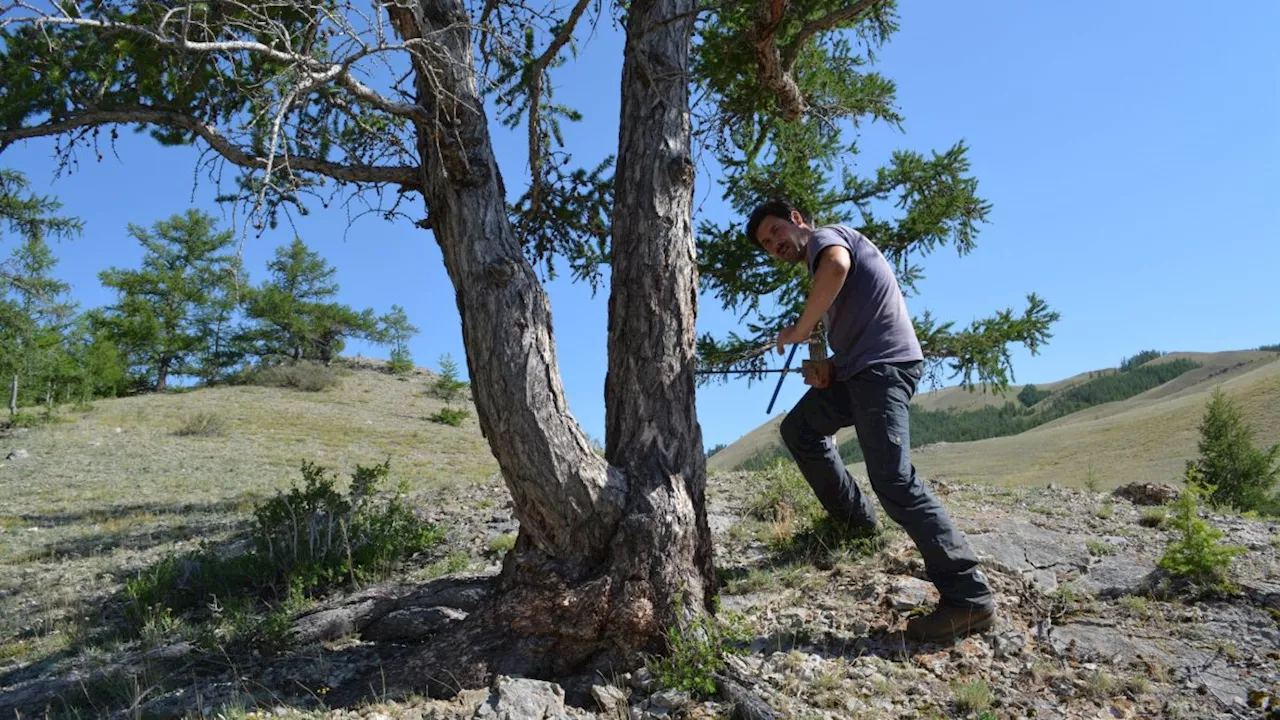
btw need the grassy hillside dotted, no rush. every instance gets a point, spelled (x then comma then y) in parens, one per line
(1216, 368)
(1143, 438)
(101, 494)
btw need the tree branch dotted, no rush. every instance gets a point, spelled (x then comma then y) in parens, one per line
(317, 71)
(792, 51)
(772, 74)
(535, 98)
(777, 64)
(405, 176)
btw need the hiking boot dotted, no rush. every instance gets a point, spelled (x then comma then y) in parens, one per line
(946, 623)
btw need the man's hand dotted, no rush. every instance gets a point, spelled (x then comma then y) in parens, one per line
(816, 373)
(792, 335)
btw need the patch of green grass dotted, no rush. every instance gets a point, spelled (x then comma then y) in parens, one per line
(1137, 685)
(1105, 511)
(971, 695)
(502, 544)
(1099, 548)
(305, 376)
(203, 423)
(1137, 606)
(1227, 649)
(1042, 510)
(449, 416)
(1153, 517)
(16, 649)
(824, 542)
(754, 581)
(452, 563)
(1102, 685)
(799, 576)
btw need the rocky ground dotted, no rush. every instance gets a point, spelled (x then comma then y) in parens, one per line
(1086, 630)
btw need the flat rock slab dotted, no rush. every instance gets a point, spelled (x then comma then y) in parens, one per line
(1092, 642)
(1115, 576)
(1045, 557)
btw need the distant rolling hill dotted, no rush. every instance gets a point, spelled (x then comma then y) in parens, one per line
(1146, 437)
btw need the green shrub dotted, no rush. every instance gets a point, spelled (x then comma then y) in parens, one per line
(203, 424)
(306, 376)
(972, 696)
(315, 533)
(449, 416)
(785, 495)
(1242, 476)
(26, 420)
(1195, 555)
(695, 651)
(306, 540)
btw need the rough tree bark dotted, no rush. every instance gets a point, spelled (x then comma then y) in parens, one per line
(604, 550)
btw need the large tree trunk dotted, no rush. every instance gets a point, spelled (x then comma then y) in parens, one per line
(162, 376)
(651, 426)
(603, 550)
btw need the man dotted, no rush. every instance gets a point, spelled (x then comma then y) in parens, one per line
(875, 367)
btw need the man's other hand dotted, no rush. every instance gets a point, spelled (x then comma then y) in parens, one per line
(792, 335)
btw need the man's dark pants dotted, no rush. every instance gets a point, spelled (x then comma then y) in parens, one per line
(875, 402)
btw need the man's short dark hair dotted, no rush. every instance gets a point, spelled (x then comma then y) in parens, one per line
(772, 208)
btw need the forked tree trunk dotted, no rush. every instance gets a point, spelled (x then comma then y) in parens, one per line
(603, 549)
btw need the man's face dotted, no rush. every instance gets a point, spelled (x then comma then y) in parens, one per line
(783, 239)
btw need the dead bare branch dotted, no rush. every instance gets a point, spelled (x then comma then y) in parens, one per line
(405, 176)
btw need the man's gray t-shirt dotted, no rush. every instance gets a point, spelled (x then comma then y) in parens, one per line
(868, 322)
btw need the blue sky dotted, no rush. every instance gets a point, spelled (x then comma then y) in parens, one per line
(1131, 152)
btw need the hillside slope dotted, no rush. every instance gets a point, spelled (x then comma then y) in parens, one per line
(370, 416)
(1147, 437)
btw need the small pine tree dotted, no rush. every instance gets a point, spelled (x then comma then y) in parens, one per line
(447, 385)
(1242, 476)
(1195, 554)
(396, 331)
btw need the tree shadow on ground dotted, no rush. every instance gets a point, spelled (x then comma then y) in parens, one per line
(217, 650)
(97, 515)
(103, 543)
